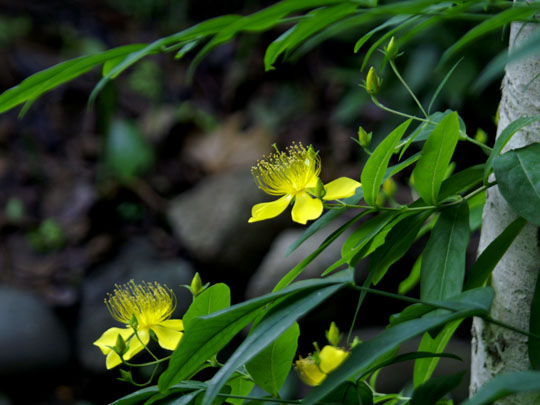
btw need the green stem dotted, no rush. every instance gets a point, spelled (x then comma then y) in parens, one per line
(486, 148)
(383, 107)
(145, 346)
(510, 327)
(147, 382)
(393, 66)
(258, 399)
(150, 363)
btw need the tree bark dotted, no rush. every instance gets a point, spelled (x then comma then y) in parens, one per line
(496, 350)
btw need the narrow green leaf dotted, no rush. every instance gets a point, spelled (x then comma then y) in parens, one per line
(139, 396)
(488, 259)
(498, 20)
(271, 366)
(209, 334)
(367, 353)
(390, 22)
(443, 264)
(461, 181)
(412, 279)
(504, 385)
(39, 83)
(503, 139)
(436, 388)
(534, 327)
(397, 243)
(278, 319)
(518, 177)
(213, 299)
(424, 368)
(375, 168)
(442, 84)
(435, 158)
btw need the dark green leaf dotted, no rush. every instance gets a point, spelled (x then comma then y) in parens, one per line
(278, 319)
(518, 178)
(412, 279)
(435, 158)
(375, 168)
(350, 393)
(139, 396)
(271, 366)
(127, 153)
(534, 327)
(397, 243)
(443, 263)
(436, 388)
(441, 85)
(209, 334)
(239, 386)
(390, 22)
(367, 353)
(461, 181)
(41, 82)
(213, 299)
(506, 384)
(488, 259)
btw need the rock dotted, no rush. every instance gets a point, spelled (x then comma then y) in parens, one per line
(211, 220)
(138, 262)
(31, 337)
(275, 265)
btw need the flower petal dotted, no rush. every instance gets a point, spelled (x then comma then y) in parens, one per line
(135, 345)
(174, 324)
(271, 209)
(331, 357)
(306, 208)
(309, 372)
(109, 337)
(340, 188)
(167, 338)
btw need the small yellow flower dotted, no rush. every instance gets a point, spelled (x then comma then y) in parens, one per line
(294, 175)
(313, 374)
(151, 304)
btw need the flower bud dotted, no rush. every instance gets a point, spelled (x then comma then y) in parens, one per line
(373, 82)
(120, 345)
(389, 187)
(391, 49)
(196, 286)
(332, 334)
(364, 137)
(319, 189)
(481, 136)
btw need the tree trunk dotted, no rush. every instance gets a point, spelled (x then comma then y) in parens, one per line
(496, 350)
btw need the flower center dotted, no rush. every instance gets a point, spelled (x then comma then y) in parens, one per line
(287, 172)
(150, 303)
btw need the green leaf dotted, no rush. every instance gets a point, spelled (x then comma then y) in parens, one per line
(518, 177)
(441, 85)
(239, 386)
(503, 139)
(375, 168)
(504, 385)
(313, 22)
(490, 256)
(436, 388)
(213, 299)
(39, 83)
(367, 353)
(390, 22)
(443, 263)
(278, 319)
(209, 334)
(271, 366)
(534, 327)
(424, 368)
(498, 20)
(350, 393)
(397, 243)
(412, 279)
(127, 153)
(139, 396)
(435, 158)
(461, 181)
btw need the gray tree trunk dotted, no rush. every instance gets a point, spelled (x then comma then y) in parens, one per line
(496, 350)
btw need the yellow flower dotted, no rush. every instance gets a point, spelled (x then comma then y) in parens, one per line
(151, 305)
(294, 175)
(329, 359)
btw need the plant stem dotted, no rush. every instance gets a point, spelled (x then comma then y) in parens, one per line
(393, 66)
(383, 107)
(276, 400)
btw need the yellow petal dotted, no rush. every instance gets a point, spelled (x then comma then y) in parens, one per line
(309, 372)
(112, 360)
(271, 209)
(109, 337)
(306, 208)
(135, 345)
(167, 338)
(340, 188)
(174, 324)
(331, 357)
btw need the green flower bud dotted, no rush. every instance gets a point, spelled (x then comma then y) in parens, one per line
(391, 49)
(333, 335)
(389, 187)
(481, 136)
(373, 82)
(196, 286)
(364, 137)
(356, 341)
(319, 189)
(133, 322)
(120, 345)
(126, 376)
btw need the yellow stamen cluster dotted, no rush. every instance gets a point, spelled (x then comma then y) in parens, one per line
(287, 172)
(150, 303)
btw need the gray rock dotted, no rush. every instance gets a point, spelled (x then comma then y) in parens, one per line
(138, 262)
(211, 220)
(31, 337)
(275, 265)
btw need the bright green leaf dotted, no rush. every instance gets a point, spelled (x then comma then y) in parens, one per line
(213, 299)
